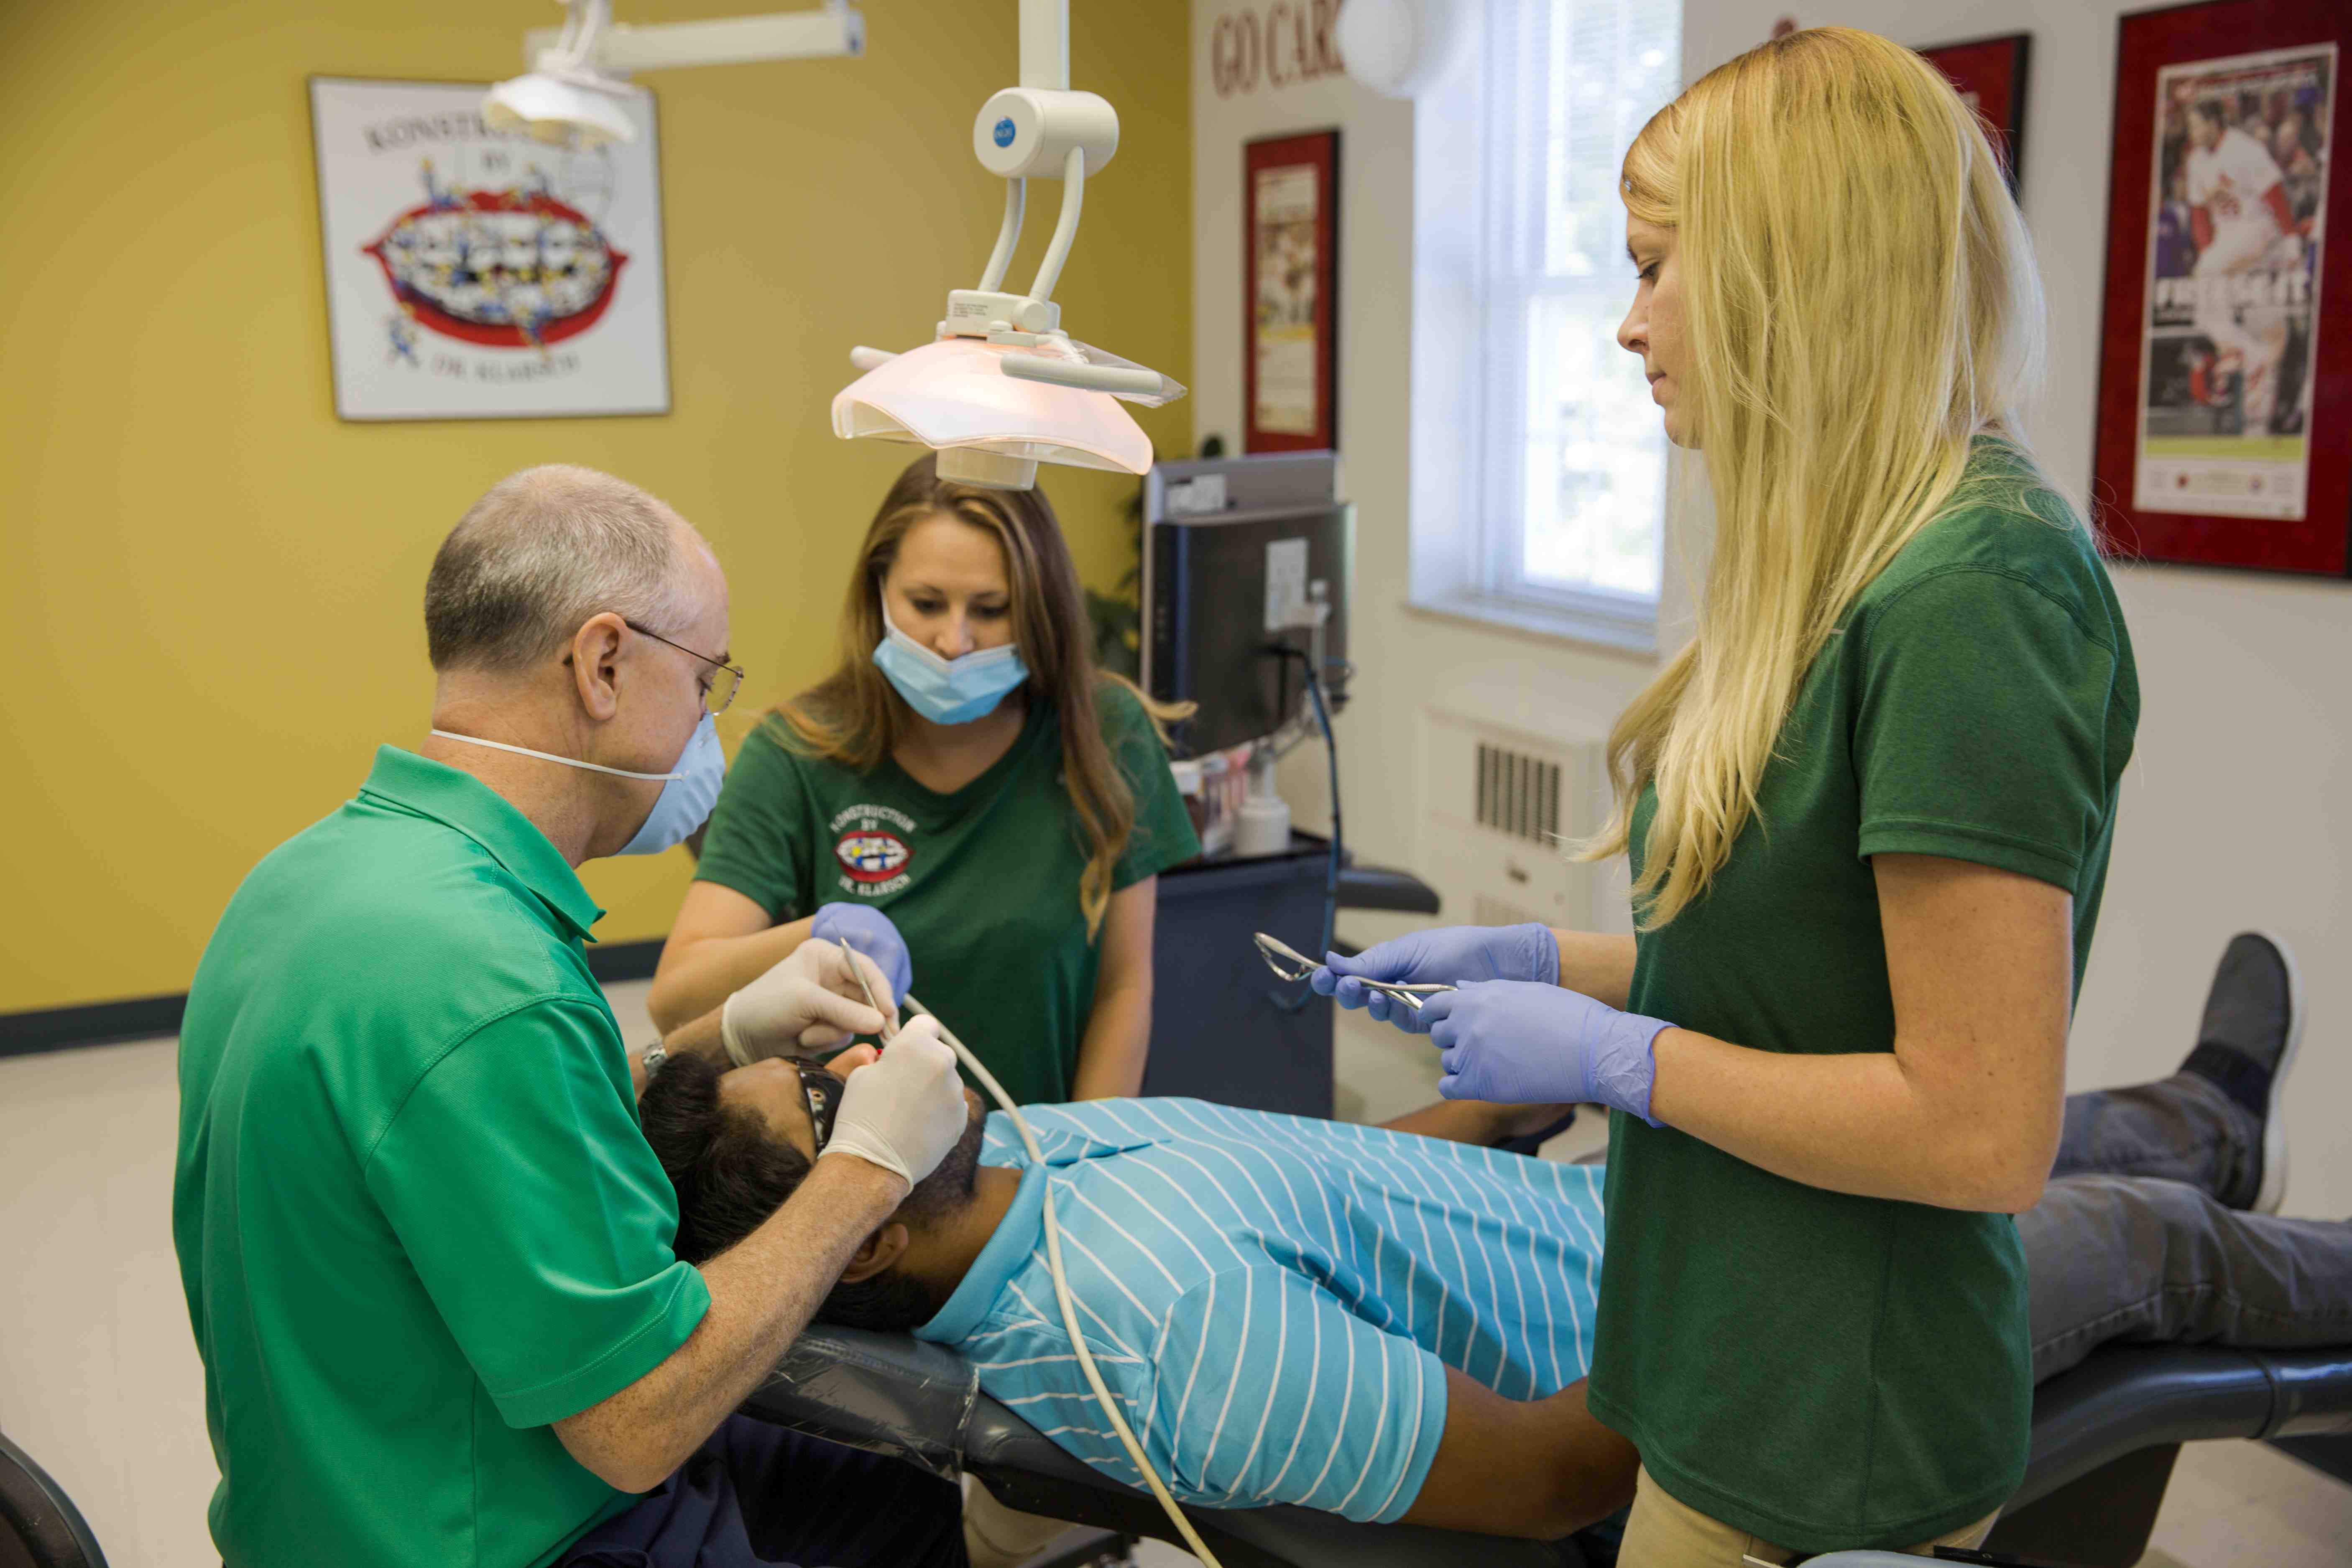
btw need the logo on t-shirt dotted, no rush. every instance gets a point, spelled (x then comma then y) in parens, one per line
(872, 854)
(871, 845)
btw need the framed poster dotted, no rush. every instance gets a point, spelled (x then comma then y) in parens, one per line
(1290, 355)
(478, 275)
(1990, 76)
(2225, 372)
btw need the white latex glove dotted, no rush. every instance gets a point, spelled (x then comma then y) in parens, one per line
(905, 1111)
(811, 1001)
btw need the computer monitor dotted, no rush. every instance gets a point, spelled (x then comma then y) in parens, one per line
(1234, 551)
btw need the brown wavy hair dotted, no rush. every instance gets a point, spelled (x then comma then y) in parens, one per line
(854, 716)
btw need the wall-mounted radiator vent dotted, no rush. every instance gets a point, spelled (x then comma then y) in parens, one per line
(1517, 793)
(1498, 806)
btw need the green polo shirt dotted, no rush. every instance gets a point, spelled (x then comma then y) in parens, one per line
(983, 882)
(415, 1218)
(1824, 1369)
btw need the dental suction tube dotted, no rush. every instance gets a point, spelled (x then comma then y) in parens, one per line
(1062, 1292)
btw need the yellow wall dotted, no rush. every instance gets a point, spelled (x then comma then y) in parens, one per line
(209, 586)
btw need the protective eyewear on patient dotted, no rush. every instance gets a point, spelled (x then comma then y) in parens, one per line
(726, 679)
(824, 1091)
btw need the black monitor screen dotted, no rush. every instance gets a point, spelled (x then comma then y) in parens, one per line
(1212, 586)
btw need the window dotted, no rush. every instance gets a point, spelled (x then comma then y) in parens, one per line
(1569, 478)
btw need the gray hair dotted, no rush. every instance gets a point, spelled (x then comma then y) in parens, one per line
(540, 553)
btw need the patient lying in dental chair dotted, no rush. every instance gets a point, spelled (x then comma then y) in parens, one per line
(1393, 1323)
(1383, 1325)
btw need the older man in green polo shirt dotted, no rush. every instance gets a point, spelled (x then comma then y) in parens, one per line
(427, 1249)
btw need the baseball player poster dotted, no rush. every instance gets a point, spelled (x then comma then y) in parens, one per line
(2225, 397)
(2234, 296)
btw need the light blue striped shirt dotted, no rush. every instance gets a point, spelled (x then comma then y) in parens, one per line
(1272, 1300)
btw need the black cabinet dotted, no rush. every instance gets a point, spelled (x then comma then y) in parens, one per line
(1223, 1027)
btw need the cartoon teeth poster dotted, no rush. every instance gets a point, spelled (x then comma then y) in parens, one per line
(475, 275)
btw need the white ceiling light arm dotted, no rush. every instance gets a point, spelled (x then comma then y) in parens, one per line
(582, 25)
(835, 29)
(1066, 227)
(1001, 387)
(1008, 235)
(576, 90)
(1046, 45)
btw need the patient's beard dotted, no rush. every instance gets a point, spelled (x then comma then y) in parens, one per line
(950, 1187)
(894, 1300)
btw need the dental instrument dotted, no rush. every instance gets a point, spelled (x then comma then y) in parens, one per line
(890, 1015)
(1290, 964)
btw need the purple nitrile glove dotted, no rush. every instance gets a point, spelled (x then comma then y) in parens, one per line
(869, 931)
(1520, 1043)
(1447, 955)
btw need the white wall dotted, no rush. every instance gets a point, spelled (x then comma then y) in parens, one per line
(2233, 810)
(1407, 660)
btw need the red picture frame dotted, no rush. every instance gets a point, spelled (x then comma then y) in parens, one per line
(1991, 74)
(2185, 340)
(1290, 262)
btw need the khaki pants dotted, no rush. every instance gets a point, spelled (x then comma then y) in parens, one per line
(995, 1536)
(1664, 1533)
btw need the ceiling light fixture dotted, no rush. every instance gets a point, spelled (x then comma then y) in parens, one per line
(578, 92)
(1002, 388)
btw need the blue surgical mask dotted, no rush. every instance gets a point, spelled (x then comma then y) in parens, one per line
(947, 690)
(688, 790)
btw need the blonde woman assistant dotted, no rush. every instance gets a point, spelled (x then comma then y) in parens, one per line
(1868, 809)
(966, 798)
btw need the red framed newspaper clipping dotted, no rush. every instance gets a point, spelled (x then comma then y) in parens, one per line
(2225, 367)
(1290, 350)
(1990, 75)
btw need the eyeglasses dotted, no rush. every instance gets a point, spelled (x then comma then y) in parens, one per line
(824, 1091)
(726, 679)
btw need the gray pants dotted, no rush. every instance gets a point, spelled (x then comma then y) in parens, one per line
(2134, 1238)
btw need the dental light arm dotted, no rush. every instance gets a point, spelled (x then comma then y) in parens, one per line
(1001, 387)
(831, 31)
(1008, 235)
(577, 88)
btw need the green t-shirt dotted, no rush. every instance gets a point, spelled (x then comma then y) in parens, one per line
(416, 1219)
(982, 883)
(1822, 1370)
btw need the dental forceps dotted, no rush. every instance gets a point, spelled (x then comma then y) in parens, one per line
(1293, 965)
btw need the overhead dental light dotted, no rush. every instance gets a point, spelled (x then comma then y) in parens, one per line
(1002, 388)
(578, 91)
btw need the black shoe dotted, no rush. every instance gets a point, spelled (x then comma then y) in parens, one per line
(2254, 1021)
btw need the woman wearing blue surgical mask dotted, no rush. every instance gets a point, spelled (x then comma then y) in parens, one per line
(967, 797)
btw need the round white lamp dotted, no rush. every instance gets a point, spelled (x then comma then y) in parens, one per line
(1398, 48)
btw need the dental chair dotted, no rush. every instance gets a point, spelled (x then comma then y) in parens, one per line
(921, 1403)
(2105, 1438)
(39, 1525)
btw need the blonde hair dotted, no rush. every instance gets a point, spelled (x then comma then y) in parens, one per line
(1860, 302)
(856, 717)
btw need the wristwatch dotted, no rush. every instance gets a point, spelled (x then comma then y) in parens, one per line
(656, 1054)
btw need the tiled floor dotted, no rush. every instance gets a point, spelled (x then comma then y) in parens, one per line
(100, 1381)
